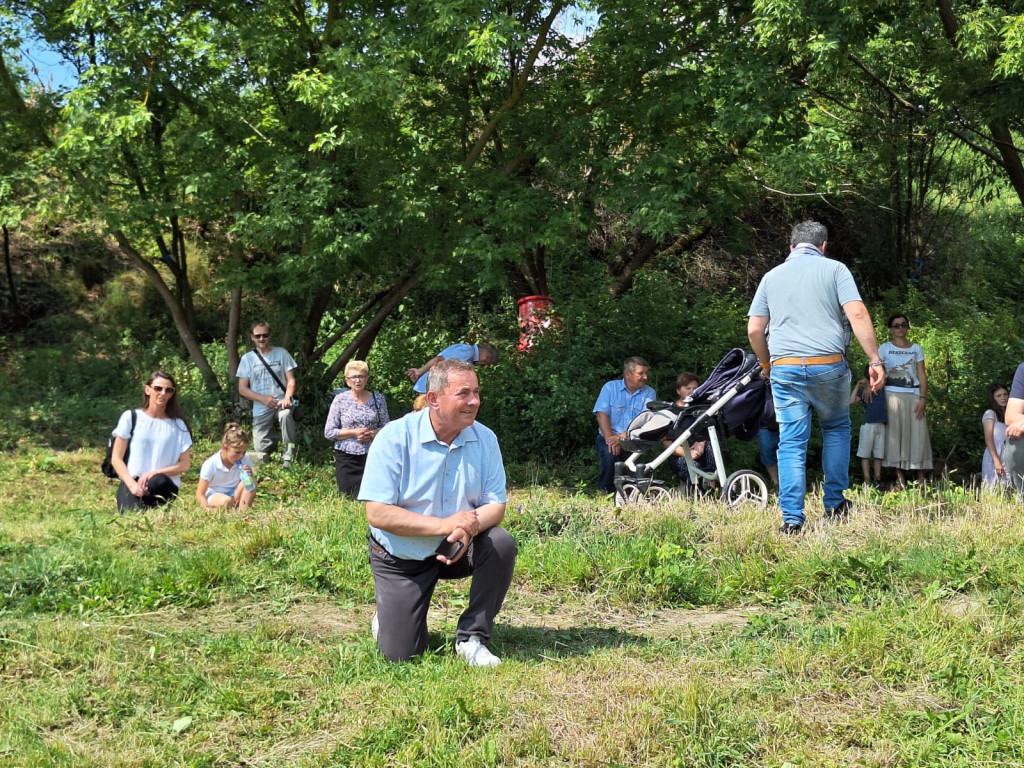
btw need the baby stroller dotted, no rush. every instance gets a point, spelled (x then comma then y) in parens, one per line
(730, 402)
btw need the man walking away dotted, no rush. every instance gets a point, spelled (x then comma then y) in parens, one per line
(799, 327)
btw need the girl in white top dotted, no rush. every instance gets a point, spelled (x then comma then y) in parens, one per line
(993, 421)
(907, 444)
(158, 448)
(220, 479)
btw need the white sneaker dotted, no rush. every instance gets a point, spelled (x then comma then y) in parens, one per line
(476, 654)
(374, 626)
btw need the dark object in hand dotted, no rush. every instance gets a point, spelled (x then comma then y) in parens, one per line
(449, 549)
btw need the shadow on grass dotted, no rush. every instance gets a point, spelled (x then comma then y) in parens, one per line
(534, 643)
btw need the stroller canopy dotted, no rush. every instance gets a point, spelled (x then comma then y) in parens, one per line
(743, 412)
(741, 415)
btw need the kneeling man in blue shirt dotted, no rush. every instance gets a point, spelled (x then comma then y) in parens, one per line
(434, 484)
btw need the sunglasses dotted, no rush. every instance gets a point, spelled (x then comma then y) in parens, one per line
(261, 335)
(158, 388)
(900, 325)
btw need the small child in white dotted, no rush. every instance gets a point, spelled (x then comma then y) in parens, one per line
(220, 480)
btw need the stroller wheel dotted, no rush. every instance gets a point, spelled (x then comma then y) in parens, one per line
(745, 487)
(655, 494)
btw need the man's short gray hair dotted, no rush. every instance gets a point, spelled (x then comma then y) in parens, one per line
(809, 232)
(437, 379)
(630, 364)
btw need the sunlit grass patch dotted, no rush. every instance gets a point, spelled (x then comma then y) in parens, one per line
(677, 635)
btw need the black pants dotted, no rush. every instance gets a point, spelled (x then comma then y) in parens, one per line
(160, 489)
(348, 471)
(403, 589)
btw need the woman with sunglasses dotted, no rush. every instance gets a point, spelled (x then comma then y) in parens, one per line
(355, 418)
(907, 445)
(152, 450)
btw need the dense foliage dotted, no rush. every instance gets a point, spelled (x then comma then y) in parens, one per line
(381, 180)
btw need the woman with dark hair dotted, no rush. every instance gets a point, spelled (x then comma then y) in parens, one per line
(152, 446)
(907, 444)
(993, 474)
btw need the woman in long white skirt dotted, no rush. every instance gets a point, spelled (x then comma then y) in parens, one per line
(907, 445)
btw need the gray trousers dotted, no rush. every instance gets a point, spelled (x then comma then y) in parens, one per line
(403, 589)
(264, 433)
(1013, 463)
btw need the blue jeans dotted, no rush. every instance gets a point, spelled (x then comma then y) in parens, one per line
(768, 442)
(797, 389)
(606, 464)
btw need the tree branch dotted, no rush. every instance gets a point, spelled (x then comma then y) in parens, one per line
(518, 88)
(922, 112)
(370, 330)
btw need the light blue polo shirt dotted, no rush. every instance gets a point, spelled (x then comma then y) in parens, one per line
(467, 353)
(621, 405)
(803, 298)
(409, 467)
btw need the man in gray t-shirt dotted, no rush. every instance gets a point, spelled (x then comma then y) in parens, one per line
(799, 327)
(270, 384)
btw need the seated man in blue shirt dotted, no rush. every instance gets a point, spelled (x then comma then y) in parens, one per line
(434, 489)
(479, 354)
(619, 402)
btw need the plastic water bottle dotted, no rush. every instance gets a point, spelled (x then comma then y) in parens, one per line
(247, 480)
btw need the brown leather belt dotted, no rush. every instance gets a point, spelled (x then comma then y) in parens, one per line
(826, 360)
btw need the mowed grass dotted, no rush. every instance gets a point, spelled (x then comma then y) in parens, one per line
(683, 635)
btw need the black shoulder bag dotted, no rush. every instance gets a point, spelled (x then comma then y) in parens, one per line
(107, 465)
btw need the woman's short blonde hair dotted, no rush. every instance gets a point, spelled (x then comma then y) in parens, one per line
(357, 366)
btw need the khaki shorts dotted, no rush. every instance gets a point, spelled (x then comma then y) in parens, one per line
(871, 443)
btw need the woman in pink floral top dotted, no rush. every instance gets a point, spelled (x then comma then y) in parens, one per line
(355, 418)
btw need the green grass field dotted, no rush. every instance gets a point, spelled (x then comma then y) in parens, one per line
(683, 635)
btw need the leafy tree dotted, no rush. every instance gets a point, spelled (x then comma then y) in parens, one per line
(26, 110)
(946, 70)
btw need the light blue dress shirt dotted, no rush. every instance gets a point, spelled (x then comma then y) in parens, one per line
(410, 468)
(621, 405)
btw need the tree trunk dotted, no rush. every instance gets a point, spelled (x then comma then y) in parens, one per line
(1001, 135)
(335, 337)
(624, 268)
(15, 306)
(1011, 157)
(188, 338)
(317, 310)
(234, 331)
(529, 278)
